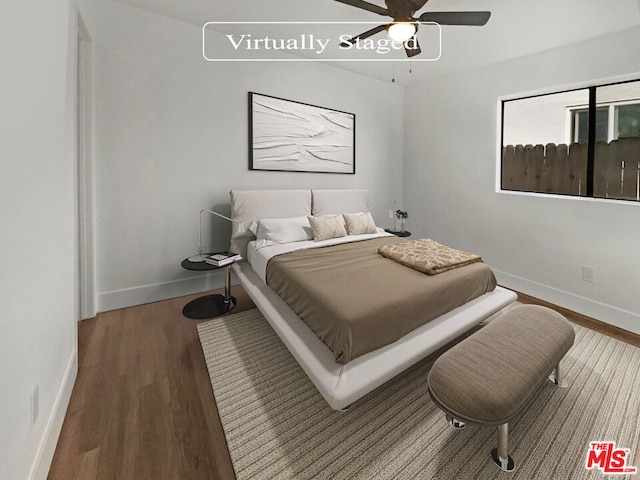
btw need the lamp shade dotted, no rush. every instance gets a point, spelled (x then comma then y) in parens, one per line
(401, 31)
(237, 226)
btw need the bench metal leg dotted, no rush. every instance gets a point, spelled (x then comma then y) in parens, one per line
(500, 455)
(556, 377)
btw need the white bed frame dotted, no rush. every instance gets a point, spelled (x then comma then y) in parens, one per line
(343, 384)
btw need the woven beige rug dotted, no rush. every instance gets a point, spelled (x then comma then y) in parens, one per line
(279, 427)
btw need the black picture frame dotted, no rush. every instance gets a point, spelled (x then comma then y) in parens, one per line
(290, 136)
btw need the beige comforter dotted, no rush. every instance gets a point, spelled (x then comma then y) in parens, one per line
(428, 256)
(357, 301)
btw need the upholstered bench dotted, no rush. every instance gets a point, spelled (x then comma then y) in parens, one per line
(489, 378)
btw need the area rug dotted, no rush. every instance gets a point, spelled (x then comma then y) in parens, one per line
(279, 427)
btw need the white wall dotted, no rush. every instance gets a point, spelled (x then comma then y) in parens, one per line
(537, 244)
(172, 139)
(37, 241)
(547, 119)
(542, 119)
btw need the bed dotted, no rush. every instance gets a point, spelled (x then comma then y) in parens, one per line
(346, 366)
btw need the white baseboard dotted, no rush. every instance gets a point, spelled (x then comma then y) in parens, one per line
(606, 313)
(162, 291)
(129, 297)
(49, 441)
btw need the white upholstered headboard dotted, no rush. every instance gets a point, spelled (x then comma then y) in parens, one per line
(248, 206)
(328, 202)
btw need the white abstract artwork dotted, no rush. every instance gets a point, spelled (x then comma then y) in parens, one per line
(292, 136)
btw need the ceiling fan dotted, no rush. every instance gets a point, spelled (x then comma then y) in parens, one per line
(404, 27)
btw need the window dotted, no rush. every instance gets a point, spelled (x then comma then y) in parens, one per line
(549, 145)
(627, 121)
(581, 125)
(613, 121)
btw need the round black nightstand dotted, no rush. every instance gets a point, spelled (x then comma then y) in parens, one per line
(399, 234)
(209, 305)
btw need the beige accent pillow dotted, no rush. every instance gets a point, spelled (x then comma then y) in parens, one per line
(325, 228)
(359, 223)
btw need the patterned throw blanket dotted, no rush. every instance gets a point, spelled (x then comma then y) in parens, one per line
(427, 255)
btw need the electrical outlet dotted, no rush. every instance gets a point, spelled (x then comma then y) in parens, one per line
(390, 213)
(587, 274)
(34, 400)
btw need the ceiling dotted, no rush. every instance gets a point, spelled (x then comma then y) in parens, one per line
(516, 28)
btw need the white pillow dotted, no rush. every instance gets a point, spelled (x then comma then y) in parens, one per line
(325, 228)
(359, 223)
(284, 230)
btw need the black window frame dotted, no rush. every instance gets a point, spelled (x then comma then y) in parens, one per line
(592, 108)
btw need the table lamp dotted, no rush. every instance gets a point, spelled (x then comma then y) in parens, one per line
(238, 227)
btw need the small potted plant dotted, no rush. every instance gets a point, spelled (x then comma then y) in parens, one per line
(402, 215)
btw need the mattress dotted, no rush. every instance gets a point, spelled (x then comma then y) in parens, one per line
(354, 299)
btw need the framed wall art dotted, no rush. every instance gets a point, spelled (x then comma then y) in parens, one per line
(297, 137)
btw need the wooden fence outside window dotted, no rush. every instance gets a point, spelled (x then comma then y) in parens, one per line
(562, 169)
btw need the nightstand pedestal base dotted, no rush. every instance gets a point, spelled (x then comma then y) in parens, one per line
(208, 306)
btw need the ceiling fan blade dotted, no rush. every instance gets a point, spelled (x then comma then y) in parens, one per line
(404, 7)
(417, 4)
(412, 47)
(365, 6)
(366, 34)
(456, 18)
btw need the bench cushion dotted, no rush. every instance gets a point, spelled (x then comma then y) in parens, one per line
(488, 378)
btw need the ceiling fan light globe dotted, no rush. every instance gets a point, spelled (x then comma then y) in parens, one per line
(401, 31)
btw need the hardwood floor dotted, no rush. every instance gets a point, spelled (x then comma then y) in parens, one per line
(592, 323)
(142, 406)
